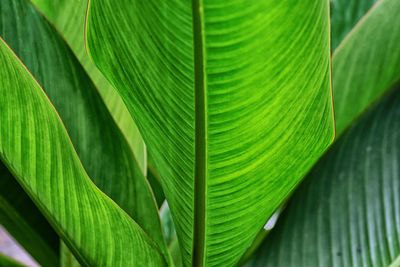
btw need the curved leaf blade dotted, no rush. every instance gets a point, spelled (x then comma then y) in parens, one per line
(53, 176)
(99, 143)
(367, 64)
(347, 210)
(69, 18)
(231, 100)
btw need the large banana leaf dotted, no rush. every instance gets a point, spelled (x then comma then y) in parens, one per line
(345, 14)
(233, 101)
(346, 213)
(69, 18)
(35, 146)
(367, 63)
(25, 223)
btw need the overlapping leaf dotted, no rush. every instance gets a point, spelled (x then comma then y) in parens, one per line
(321, 210)
(69, 18)
(102, 148)
(345, 14)
(99, 143)
(347, 211)
(367, 63)
(35, 146)
(233, 100)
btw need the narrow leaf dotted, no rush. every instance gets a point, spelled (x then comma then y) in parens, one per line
(233, 101)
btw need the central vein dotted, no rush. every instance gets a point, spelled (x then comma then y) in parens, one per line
(200, 136)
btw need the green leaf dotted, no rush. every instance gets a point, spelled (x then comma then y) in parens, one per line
(25, 223)
(67, 259)
(345, 14)
(367, 63)
(346, 212)
(380, 19)
(8, 262)
(69, 18)
(35, 147)
(232, 99)
(102, 148)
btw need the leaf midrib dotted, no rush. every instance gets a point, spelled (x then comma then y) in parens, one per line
(200, 135)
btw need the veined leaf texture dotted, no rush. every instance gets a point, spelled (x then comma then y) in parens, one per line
(233, 100)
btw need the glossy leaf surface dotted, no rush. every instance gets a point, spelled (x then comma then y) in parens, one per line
(347, 211)
(232, 99)
(367, 64)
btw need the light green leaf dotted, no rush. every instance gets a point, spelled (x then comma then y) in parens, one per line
(69, 18)
(367, 63)
(35, 147)
(346, 212)
(345, 14)
(25, 223)
(232, 99)
(99, 143)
